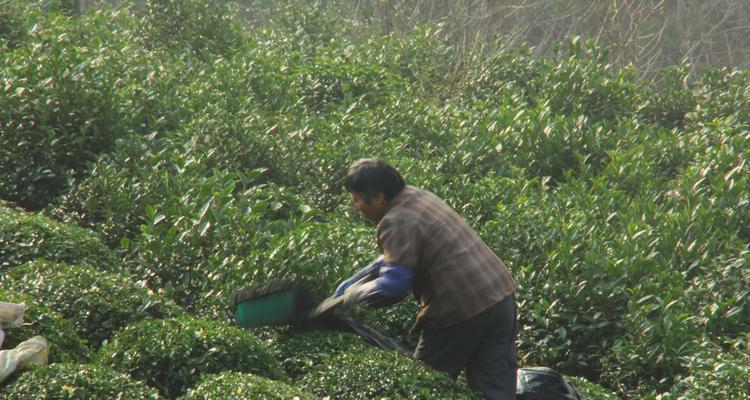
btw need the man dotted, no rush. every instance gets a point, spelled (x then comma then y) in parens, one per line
(467, 317)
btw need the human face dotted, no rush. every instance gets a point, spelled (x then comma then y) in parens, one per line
(373, 210)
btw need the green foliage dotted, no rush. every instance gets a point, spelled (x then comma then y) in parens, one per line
(715, 371)
(71, 89)
(26, 237)
(721, 94)
(18, 16)
(302, 349)
(715, 183)
(657, 337)
(633, 269)
(12, 23)
(97, 302)
(75, 381)
(316, 254)
(65, 346)
(374, 373)
(577, 82)
(200, 27)
(242, 385)
(669, 105)
(591, 391)
(173, 354)
(177, 249)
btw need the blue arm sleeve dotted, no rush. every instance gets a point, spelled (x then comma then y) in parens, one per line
(393, 284)
(371, 270)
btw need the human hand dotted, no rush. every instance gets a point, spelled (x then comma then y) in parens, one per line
(342, 288)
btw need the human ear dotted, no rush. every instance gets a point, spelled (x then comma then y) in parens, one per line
(378, 198)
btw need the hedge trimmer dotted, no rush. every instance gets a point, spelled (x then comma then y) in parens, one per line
(281, 302)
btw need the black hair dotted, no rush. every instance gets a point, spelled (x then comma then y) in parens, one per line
(367, 177)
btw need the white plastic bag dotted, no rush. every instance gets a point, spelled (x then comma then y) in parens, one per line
(34, 351)
(31, 352)
(11, 314)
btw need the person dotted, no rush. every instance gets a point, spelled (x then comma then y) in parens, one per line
(467, 317)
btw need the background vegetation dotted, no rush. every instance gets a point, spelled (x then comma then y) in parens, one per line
(155, 157)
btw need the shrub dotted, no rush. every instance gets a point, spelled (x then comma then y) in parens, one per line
(720, 93)
(26, 237)
(658, 332)
(17, 17)
(12, 23)
(183, 248)
(173, 354)
(75, 381)
(715, 371)
(374, 373)
(72, 88)
(209, 27)
(718, 178)
(228, 385)
(578, 81)
(65, 346)
(98, 303)
(590, 390)
(669, 104)
(302, 349)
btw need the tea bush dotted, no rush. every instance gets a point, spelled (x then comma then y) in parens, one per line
(180, 254)
(73, 86)
(16, 15)
(12, 23)
(720, 94)
(256, 109)
(242, 385)
(591, 391)
(41, 77)
(576, 82)
(96, 302)
(669, 105)
(374, 373)
(75, 381)
(301, 349)
(613, 255)
(65, 346)
(716, 370)
(718, 176)
(26, 237)
(173, 354)
(196, 26)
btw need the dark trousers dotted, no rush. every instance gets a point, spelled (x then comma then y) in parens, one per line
(484, 345)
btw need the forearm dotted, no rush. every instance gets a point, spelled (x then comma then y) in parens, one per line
(393, 284)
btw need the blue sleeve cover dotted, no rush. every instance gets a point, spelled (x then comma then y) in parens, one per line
(393, 284)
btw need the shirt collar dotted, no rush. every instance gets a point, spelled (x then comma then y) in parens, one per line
(400, 198)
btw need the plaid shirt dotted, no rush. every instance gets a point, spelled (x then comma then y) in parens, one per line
(456, 275)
